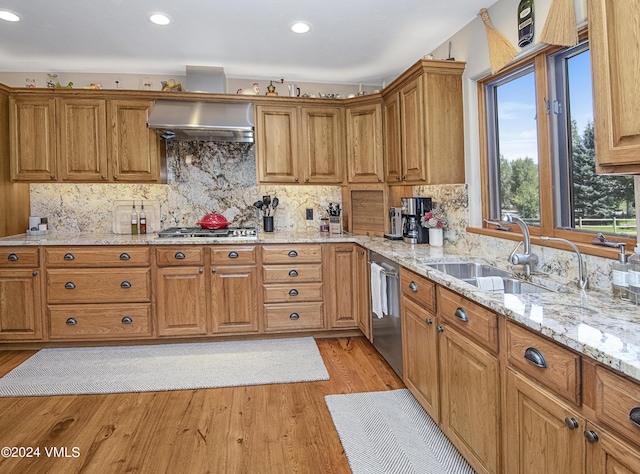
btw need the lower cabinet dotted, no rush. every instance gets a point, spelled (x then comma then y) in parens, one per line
(363, 275)
(342, 277)
(608, 453)
(20, 304)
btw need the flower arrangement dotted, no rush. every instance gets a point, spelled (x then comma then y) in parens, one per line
(434, 219)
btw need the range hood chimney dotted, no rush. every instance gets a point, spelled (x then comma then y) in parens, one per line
(202, 119)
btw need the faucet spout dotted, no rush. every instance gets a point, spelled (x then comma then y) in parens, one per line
(526, 258)
(583, 280)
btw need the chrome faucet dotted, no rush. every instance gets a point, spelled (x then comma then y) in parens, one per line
(526, 259)
(583, 280)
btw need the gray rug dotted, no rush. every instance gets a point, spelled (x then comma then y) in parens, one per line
(389, 432)
(91, 370)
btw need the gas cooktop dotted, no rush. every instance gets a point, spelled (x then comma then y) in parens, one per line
(229, 232)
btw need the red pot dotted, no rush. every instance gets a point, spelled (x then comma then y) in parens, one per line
(214, 221)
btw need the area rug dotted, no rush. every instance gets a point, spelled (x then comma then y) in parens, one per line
(93, 370)
(389, 432)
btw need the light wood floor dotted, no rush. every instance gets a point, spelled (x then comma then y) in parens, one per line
(280, 428)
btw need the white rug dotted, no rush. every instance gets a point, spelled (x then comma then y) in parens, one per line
(389, 432)
(165, 367)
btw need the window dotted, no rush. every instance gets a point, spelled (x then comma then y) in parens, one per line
(539, 153)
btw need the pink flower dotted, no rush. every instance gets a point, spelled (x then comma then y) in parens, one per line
(439, 225)
(428, 216)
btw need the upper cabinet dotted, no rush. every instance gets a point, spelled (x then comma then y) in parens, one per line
(364, 143)
(302, 145)
(423, 125)
(82, 139)
(615, 53)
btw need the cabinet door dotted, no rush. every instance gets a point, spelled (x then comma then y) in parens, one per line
(82, 143)
(364, 144)
(181, 301)
(392, 139)
(412, 125)
(234, 299)
(277, 144)
(364, 314)
(322, 145)
(542, 433)
(33, 139)
(470, 399)
(420, 356)
(20, 305)
(134, 151)
(613, 39)
(610, 454)
(342, 281)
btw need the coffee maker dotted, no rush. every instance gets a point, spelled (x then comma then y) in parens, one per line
(413, 209)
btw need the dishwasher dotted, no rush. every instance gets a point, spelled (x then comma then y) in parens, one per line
(386, 330)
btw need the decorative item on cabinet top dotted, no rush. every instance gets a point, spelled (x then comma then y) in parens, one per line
(122, 215)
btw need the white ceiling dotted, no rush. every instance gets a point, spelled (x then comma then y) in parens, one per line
(351, 41)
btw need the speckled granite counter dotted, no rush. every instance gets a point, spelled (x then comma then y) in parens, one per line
(590, 322)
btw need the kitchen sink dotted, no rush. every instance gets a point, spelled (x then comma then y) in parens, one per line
(469, 271)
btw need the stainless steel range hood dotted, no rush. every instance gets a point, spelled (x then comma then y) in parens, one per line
(204, 121)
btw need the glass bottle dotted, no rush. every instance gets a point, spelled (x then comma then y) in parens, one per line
(143, 220)
(621, 275)
(134, 220)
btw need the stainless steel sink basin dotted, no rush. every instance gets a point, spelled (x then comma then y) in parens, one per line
(469, 271)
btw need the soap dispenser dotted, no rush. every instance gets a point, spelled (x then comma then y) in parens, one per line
(621, 275)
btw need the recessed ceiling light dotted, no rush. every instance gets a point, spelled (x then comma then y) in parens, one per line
(300, 27)
(160, 19)
(8, 16)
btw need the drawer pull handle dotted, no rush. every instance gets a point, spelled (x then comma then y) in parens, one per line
(180, 256)
(634, 416)
(535, 357)
(125, 256)
(13, 257)
(294, 316)
(571, 423)
(233, 254)
(69, 256)
(461, 314)
(293, 253)
(127, 320)
(413, 286)
(429, 321)
(125, 284)
(293, 273)
(35, 274)
(591, 436)
(69, 285)
(293, 292)
(440, 329)
(71, 321)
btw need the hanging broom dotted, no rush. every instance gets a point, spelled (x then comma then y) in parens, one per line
(501, 51)
(560, 27)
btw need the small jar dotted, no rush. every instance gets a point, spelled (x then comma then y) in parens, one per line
(324, 224)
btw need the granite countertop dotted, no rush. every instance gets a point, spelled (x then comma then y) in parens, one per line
(591, 322)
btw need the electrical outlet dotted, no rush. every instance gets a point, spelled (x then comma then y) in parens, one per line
(309, 214)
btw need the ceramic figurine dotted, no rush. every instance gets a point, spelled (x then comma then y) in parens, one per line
(255, 90)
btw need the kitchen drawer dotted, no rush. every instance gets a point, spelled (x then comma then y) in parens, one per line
(233, 255)
(418, 289)
(477, 322)
(106, 285)
(291, 253)
(292, 293)
(293, 317)
(97, 321)
(103, 256)
(617, 403)
(19, 257)
(558, 368)
(306, 272)
(170, 256)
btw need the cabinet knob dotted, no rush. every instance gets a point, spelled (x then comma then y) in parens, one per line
(293, 273)
(213, 270)
(534, 356)
(294, 316)
(440, 329)
(201, 271)
(461, 314)
(103, 177)
(69, 256)
(127, 320)
(634, 416)
(35, 274)
(180, 256)
(13, 257)
(125, 284)
(571, 423)
(233, 254)
(295, 179)
(429, 321)
(404, 178)
(71, 322)
(125, 256)
(293, 292)
(69, 285)
(293, 253)
(379, 180)
(591, 436)
(413, 286)
(52, 177)
(306, 180)
(115, 177)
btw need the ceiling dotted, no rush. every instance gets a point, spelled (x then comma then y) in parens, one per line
(350, 41)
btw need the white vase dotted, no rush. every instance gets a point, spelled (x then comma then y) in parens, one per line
(436, 237)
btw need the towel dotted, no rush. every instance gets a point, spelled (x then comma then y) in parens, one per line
(494, 284)
(378, 290)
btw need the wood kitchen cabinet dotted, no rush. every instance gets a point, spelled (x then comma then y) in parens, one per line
(608, 453)
(20, 295)
(364, 143)
(423, 131)
(363, 291)
(341, 278)
(234, 289)
(613, 41)
(277, 144)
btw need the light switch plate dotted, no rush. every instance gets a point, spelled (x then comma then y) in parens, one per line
(309, 214)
